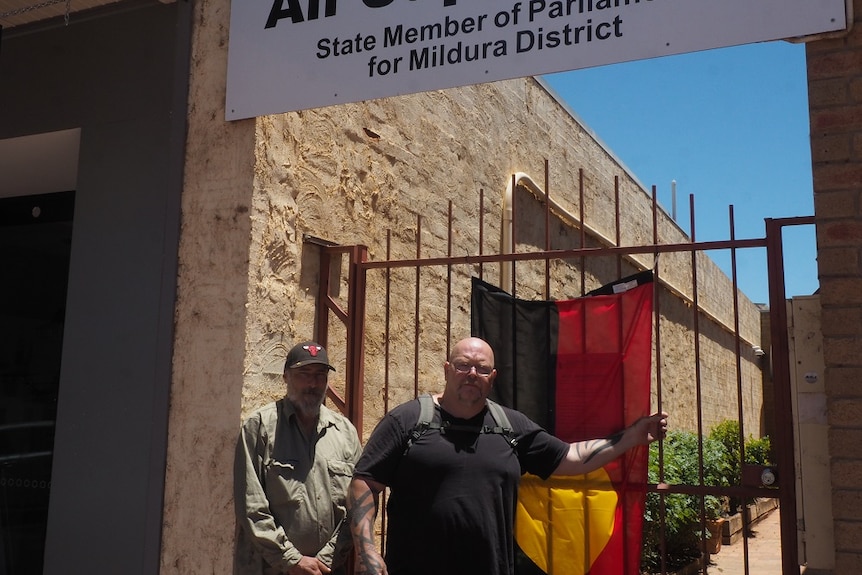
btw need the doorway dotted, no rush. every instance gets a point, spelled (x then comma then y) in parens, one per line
(35, 246)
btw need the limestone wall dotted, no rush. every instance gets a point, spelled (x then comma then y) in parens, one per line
(351, 174)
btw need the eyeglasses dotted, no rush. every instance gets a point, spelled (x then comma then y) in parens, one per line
(465, 368)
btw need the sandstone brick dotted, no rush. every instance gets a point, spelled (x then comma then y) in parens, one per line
(824, 45)
(845, 351)
(839, 261)
(848, 535)
(840, 203)
(836, 119)
(846, 473)
(839, 232)
(831, 148)
(837, 176)
(855, 90)
(840, 291)
(847, 504)
(828, 93)
(848, 442)
(847, 562)
(846, 413)
(841, 321)
(856, 147)
(832, 64)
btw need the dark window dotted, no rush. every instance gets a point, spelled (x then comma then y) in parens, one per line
(35, 243)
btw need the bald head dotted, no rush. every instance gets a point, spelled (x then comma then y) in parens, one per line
(471, 346)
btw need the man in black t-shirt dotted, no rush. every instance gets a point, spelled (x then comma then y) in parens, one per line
(453, 488)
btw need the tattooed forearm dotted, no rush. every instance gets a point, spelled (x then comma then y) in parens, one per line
(587, 456)
(362, 503)
(363, 509)
(369, 564)
(587, 450)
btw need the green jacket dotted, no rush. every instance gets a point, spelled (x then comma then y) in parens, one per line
(290, 492)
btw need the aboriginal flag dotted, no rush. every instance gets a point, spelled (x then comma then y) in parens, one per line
(581, 369)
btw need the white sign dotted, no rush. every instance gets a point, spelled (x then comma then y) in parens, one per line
(294, 54)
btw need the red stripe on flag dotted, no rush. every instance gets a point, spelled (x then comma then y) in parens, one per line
(603, 379)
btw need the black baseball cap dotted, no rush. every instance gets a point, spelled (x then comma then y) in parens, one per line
(307, 353)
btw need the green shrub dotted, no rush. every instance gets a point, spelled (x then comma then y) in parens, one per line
(721, 467)
(680, 536)
(682, 512)
(727, 433)
(758, 451)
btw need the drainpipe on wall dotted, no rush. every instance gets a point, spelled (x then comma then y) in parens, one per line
(507, 235)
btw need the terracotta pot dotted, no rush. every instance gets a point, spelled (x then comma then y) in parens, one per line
(713, 544)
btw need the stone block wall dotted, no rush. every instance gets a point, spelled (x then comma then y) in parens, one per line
(835, 102)
(384, 173)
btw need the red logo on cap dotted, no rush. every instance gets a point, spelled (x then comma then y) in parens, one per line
(312, 349)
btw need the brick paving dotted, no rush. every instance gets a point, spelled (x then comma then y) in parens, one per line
(764, 551)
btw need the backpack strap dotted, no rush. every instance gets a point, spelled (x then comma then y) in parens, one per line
(426, 422)
(503, 427)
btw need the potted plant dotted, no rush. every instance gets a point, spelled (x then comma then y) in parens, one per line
(715, 473)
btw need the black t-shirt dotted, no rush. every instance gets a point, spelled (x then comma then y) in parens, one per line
(452, 495)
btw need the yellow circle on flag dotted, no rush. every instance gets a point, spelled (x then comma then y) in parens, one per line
(563, 523)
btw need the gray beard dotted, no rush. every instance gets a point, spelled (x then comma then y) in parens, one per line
(307, 404)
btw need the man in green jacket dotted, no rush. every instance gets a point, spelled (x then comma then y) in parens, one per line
(294, 461)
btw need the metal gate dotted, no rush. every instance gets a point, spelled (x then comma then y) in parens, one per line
(396, 341)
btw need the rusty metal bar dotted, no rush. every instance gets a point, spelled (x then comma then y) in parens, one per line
(481, 227)
(583, 234)
(354, 320)
(734, 279)
(657, 315)
(513, 291)
(583, 307)
(617, 224)
(416, 306)
(627, 461)
(386, 355)
(739, 398)
(449, 240)
(387, 323)
(783, 399)
(321, 320)
(737, 490)
(568, 254)
(698, 383)
(547, 231)
(514, 222)
(657, 321)
(354, 388)
(549, 548)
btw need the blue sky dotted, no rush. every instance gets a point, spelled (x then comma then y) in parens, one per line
(730, 126)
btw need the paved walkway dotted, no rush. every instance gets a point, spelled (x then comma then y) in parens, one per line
(764, 551)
